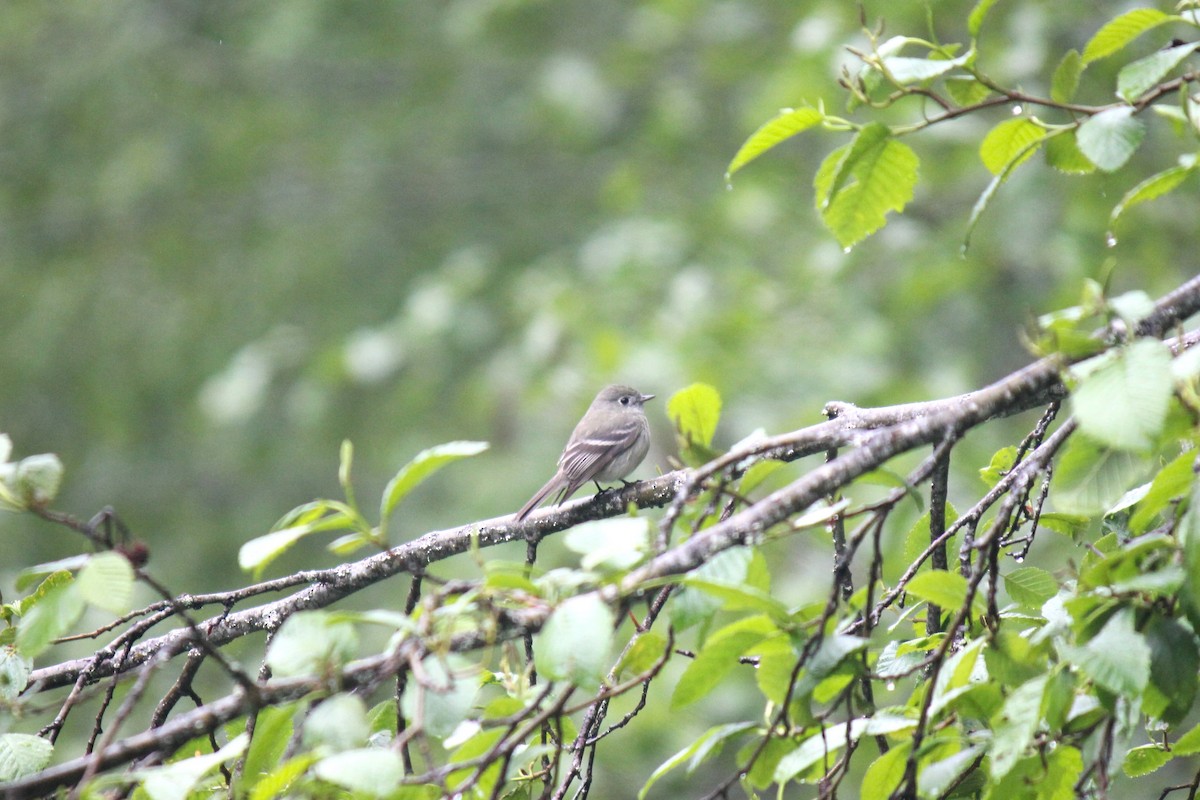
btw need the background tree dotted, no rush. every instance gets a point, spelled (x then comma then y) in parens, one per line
(183, 181)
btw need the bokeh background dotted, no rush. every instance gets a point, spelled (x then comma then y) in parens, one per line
(234, 234)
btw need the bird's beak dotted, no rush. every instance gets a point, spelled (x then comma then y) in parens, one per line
(646, 397)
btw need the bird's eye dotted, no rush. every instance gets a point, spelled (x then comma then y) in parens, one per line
(624, 401)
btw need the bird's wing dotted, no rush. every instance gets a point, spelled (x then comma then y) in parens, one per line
(587, 455)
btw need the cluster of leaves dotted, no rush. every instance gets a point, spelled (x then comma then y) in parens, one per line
(874, 174)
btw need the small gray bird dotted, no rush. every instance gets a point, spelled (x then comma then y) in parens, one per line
(608, 444)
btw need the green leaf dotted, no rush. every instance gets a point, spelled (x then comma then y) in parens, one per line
(1174, 664)
(1151, 188)
(644, 654)
(1188, 744)
(742, 598)
(274, 783)
(22, 755)
(1002, 461)
(859, 183)
(1016, 724)
(717, 659)
(1120, 31)
(610, 544)
(1030, 586)
(985, 197)
(272, 732)
(708, 744)
(1063, 154)
(935, 778)
(695, 411)
(1091, 477)
(834, 649)
(448, 695)
(978, 15)
(574, 643)
(14, 672)
(884, 774)
(834, 738)
(1172, 482)
(965, 90)
(784, 125)
(1123, 402)
(1009, 144)
(256, 554)
(1066, 77)
(1143, 760)
(311, 643)
(945, 589)
(1109, 138)
(38, 479)
(1117, 658)
(52, 616)
(1137, 78)
(730, 567)
(106, 582)
(425, 463)
(906, 70)
(176, 780)
(372, 770)
(338, 723)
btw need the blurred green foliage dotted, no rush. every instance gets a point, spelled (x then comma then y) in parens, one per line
(236, 234)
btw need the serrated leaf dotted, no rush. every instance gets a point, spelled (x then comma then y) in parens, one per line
(1063, 154)
(945, 589)
(1143, 760)
(1016, 725)
(1009, 144)
(425, 463)
(707, 744)
(1111, 137)
(574, 643)
(1124, 402)
(1002, 461)
(22, 755)
(717, 659)
(106, 582)
(965, 90)
(1120, 31)
(38, 479)
(1188, 744)
(644, 654)
(373, 771)
(1174, 662)
(272, 732)
(1030, 586)
(783, 126)
(860, 183)
(1137, 78)
(1091, 477)
(274, 783)
(1155, 186)
(1117, 658)
(1066, 77)
(695, 410)
(936, 777)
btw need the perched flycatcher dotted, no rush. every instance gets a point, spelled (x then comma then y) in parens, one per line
(608, 444)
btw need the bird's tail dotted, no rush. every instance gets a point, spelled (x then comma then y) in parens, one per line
(553, 485)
